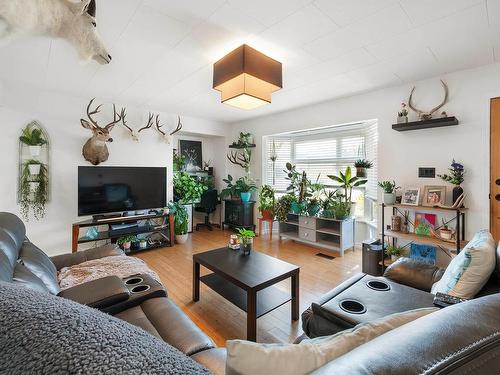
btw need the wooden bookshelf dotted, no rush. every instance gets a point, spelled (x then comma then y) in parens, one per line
(425, 208)
(432, 241)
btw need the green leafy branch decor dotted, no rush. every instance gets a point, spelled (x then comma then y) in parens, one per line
(33, 190)
(188, 188)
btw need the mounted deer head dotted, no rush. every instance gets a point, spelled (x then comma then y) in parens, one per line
(95, 149)
(423, 115)
(74, 22)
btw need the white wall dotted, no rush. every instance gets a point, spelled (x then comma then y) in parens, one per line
(60, 115)
(401, 153)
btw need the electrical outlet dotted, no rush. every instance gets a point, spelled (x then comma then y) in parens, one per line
(426, 172)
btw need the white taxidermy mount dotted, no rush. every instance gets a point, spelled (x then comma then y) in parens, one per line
(153, 120)
(73, 21)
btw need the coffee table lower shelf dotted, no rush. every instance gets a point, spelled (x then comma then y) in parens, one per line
(268, 299)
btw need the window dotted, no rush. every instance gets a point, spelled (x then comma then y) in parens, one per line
(323, 152)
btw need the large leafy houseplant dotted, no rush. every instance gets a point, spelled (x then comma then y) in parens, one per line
(187, 188)
(283, 207)
(179, 161)
(239, 189)
(33, 190)
(180, 221)
(347, 182)
(267, 201)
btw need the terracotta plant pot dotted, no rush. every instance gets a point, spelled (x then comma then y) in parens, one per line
(267, 214)
(445, 234)
(395, 257)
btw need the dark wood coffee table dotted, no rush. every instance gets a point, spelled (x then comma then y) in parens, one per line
(247, 281)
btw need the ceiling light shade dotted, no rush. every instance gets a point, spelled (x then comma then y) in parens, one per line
(246, 78)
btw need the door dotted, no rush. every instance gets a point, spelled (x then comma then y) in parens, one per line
(495, 168)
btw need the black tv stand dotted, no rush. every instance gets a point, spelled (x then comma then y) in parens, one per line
(165, 228)
(105, 217)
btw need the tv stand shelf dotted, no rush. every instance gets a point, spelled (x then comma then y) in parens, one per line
(166, 228)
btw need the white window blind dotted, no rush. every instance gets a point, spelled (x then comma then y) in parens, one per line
(322, 152)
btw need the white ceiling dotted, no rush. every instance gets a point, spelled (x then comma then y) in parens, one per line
(163, 50)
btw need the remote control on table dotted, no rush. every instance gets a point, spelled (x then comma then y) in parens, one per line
(444, 300)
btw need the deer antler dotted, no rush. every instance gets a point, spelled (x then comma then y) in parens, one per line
(123, 115)
(428, 115)
(158, 126)
(179, 126)
(116, 118)
(149, 124)
(238, 159)
(91, 113)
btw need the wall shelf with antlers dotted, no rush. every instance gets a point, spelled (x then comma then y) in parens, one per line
(426, 124)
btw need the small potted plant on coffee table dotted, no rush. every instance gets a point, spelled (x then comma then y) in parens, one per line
(125, 242)
(246, 239)
(394, 251)
(361, 166)
(389, 188)
(267, 202)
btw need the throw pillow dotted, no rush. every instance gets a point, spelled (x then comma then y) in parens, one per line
(469, 271)
(244, 357)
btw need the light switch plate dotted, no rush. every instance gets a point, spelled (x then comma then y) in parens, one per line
(426, 172)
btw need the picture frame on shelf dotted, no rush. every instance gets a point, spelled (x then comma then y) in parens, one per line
(434, 196)
(411, 196)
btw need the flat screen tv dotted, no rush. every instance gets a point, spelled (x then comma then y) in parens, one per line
(116, 189)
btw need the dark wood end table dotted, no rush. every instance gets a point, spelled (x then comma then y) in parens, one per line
(247, 282)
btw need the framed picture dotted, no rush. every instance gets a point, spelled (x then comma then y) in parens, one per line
(424, 223)
(423, 253)
(411, 196)
(434, 195)
(192, 151)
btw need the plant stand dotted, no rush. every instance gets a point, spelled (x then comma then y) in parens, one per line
(449, 247)
(270, 223)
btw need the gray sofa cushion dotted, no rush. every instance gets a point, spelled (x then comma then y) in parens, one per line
(8, 247)
(14, 227)
(6, 268)
(42, 333)
(40, 264)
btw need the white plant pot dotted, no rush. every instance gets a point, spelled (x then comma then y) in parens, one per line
(143, 244)
(35, 150)
(389, 198)
(395, 257)
(34, 169)
(34, 186)
(181, 238)
(445, 234)
(126, 245)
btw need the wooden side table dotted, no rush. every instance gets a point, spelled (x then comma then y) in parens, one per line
(270, 224)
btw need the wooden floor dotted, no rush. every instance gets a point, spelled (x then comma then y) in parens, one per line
(220, 319)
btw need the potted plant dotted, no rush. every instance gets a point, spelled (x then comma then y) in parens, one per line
(34, 139)
(179, 161)
(230, 190)
(444, 232)
(143, 243)
(245, 186)
(456, 177)
(180, 222)
(125, 242)
(394, 251)
(246, 240)
(347, 182)
(34, 167)
(389, 188)
(33, 191)
(187, 188)
(361, 166)
(267, 202)
(315, 193)
(283, 207)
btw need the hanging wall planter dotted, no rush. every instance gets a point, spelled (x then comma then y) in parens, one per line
(33, 182)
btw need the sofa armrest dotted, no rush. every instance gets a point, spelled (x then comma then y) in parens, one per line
(100, 293)
(414, 274)
(66, 260)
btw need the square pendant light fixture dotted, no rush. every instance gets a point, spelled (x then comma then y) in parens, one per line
(246, 78)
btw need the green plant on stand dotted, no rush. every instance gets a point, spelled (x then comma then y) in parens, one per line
(33, 138)
(283, 207)
(33, 190)
(245, 186)
(389, 188)
(246, 239)
(180, 221)
(316, 191)
(187, 188)
(394, 251)
(267, 202)
(347, 183)
(125, 242)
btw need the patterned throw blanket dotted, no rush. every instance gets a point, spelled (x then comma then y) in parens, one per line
(120, 265)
